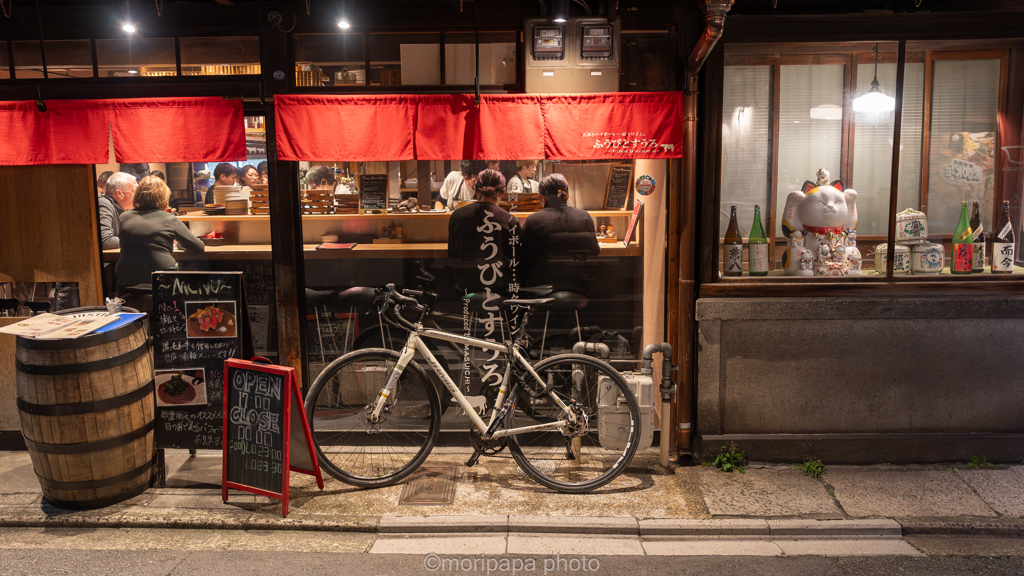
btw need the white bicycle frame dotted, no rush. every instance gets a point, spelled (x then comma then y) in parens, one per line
(415, 344)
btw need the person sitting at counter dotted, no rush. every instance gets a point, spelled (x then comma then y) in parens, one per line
(118, 198)
(173, 202)
(226, 175)
(148, 233)
(478, 238)
(523, 182)
(557, 239)
(458, 186)
(319, 178)
(101, 183)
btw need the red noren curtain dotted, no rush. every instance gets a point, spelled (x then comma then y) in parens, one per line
(616, 125)
(350, 128)
(177, 130)
(503, 127)
(69, 132)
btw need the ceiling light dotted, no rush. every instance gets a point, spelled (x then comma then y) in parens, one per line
(874, 101)
(344, 24)
(560, 10)
(133, 71)
(128, 27)
(827, 112)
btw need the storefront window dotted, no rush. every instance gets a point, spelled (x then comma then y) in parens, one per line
(5, 69)
(64, 59)
(330, 60)
(28, 61)
(220, 56)
(136, 57)
(405, 59)
(497, 58)
(773, 146)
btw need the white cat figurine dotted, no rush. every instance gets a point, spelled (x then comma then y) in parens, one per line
(821, 213)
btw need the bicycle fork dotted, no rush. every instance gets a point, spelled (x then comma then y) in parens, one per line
(408, 351)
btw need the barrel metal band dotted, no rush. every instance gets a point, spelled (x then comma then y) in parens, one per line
(86, 341)
(85, 407)
(90, 447)
(93, 484)
(59, 369)
(97, 502)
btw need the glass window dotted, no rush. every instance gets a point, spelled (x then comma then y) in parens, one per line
(129, 57)
(746, 142)
(68, 58)
(220, 56)
(497, 58)
(28, 61)
(405, 59)
(330, 60)
(962, 148)
(5, 69)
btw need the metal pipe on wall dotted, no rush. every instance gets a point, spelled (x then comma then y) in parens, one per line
(714, 15)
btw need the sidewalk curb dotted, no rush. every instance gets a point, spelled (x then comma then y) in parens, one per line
(1013, 527)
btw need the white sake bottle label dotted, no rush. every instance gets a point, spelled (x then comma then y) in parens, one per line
(978, 262)
(1006, 230)
(734, 258)
(1002, 257)
(758, 254)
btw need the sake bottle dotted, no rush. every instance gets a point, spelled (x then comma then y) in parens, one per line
(732, 247)
(978, 262)
(1004, 242)
(962, 254)
(757, 247)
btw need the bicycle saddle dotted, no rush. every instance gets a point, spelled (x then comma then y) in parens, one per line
(316, 298)
(565, 300)
(529, 303)
(357, 296)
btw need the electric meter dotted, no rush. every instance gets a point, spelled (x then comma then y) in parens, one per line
(596, 42)
(549, 42)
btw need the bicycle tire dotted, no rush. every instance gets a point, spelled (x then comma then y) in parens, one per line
(565, 463)
(347, 445)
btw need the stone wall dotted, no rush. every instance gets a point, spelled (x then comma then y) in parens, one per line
(862, 380)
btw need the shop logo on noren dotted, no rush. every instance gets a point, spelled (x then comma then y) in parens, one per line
(496, 565)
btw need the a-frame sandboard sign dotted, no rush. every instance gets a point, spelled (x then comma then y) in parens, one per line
(262, 414)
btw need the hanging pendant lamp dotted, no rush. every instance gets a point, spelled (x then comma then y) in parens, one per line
(874, 101)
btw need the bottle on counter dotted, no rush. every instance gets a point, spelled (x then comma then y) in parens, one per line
(1004, 242)
(732, 247)
(978, 262)
(962, 255)
(757, 247)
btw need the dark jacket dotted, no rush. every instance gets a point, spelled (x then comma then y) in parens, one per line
(479, 236)
(557, 241)
(110, 213)
(147, 238)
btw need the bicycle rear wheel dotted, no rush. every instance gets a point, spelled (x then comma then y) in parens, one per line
(593, 452)
(348, 445)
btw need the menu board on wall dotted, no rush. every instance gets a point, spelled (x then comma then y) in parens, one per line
(619, 181)
(373, 193)
(266, 433)
(258, 279)
(199, 320)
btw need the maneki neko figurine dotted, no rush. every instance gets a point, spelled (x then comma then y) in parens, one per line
(821, 221)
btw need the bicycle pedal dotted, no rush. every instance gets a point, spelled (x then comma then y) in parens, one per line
(472, 459)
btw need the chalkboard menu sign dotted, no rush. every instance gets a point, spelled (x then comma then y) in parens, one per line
(619, 181)
(262, 415)
(373, 193)
(258, 279)
(199, 320)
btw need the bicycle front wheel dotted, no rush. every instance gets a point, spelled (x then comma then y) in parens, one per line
(590, 453)
(351, 447)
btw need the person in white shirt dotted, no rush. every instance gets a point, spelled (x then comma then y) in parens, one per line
(458, 186)
(523, 182)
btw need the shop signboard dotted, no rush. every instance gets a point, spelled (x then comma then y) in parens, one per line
(373, 193)
(262, 416)
(617, 194)
(199, 320)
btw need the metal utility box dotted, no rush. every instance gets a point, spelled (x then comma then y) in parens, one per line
(613, 416)
(580, 55)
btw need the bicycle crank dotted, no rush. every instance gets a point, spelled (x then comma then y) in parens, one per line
(486, 447)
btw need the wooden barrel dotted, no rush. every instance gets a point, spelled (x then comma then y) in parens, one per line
(86, 408)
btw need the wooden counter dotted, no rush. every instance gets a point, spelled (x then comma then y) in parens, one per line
(425, 250)
(193, 217)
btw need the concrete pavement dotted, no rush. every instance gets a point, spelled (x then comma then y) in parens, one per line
(774, 508)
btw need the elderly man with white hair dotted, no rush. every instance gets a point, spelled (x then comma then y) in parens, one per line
(117, 199)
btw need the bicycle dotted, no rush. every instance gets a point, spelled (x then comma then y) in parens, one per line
(375, 414)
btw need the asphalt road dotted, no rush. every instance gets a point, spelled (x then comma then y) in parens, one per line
(178, 563)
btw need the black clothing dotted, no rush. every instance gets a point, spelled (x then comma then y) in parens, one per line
(557, 240)
(140, 171)
(479, 236)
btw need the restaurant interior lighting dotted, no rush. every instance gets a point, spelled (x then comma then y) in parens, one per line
(128, 27)
(560, 10)
(344, 24)
(874, 101)
(827, 112)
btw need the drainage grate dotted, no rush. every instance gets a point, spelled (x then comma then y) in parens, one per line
(430, 486)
